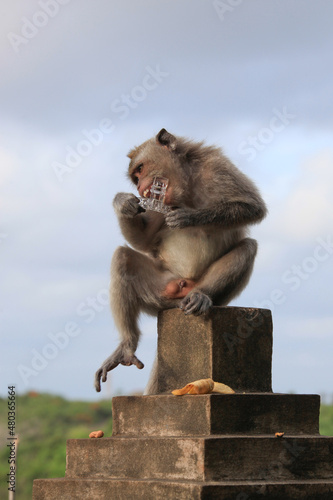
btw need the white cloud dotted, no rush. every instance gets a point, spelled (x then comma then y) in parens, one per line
(309, 328)
(8, 166)
(224, 80)
(304, 213)
(307, 213)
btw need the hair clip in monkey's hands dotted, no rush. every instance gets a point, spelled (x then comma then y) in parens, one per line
(156, 198)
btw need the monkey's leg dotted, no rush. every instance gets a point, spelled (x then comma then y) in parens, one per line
(223, 280)
(136, 285)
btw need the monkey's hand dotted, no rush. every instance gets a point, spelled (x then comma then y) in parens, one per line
(196, 303)
(181, 217)
(123, 356)
(126, 205)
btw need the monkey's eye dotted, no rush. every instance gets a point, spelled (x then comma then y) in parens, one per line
(137, 170)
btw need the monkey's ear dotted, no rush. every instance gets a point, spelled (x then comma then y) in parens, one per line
(166, 139)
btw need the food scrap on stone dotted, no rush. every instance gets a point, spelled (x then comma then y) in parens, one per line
(203, 386)
(96, 434)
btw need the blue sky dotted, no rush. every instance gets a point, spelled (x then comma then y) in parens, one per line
(81, 84)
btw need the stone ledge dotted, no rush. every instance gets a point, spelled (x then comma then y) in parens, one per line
(217, 458)
(209, 414)
(122, 489)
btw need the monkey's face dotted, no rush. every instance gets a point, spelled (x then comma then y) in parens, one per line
(142, 177)
(151, 161)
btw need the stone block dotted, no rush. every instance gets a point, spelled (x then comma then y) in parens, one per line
(122, 489)
(232, 345)
(212, 414)
(205, 447)
(220, 458)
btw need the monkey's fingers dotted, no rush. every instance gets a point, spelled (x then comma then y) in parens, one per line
(105, 373)
(177, 218)
(137, 362)
(196, 303)
(133, 360)
(190, 305)
(98, 380)
(102, 373)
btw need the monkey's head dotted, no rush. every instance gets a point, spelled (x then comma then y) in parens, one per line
(160, 157)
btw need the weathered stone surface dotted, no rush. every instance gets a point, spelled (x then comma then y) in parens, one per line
(104, 489)
(206, 447)
(222, 458)
(139, 458)
(122, 489)
(203, 415)
(232, 345)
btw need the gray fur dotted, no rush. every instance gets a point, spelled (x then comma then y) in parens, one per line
(203, 238)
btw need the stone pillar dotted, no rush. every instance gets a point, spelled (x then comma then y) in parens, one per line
(232, 345)
(209, 446)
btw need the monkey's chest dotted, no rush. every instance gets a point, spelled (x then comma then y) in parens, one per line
(190, 251)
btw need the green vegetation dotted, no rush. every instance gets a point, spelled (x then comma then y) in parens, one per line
(45, 422)
(326, 420)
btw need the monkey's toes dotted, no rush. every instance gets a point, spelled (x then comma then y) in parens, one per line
(196, 303)
(133, 360)
(98, 380)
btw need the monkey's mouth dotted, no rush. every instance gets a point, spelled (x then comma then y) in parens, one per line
(155, 189)
(146, 192)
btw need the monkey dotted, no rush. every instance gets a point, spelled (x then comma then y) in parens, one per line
(196, 255)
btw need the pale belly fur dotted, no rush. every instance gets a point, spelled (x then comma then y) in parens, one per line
(188, 252)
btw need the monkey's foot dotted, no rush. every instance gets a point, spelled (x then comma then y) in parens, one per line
(119, 357)
(196, 303)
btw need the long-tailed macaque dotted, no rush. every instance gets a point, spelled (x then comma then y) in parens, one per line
(193, 257)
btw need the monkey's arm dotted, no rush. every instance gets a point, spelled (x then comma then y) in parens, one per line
(137, 227)
(229, 214)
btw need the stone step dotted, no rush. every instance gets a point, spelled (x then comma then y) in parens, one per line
(122, 489)
(209, 414)
(217, 458)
